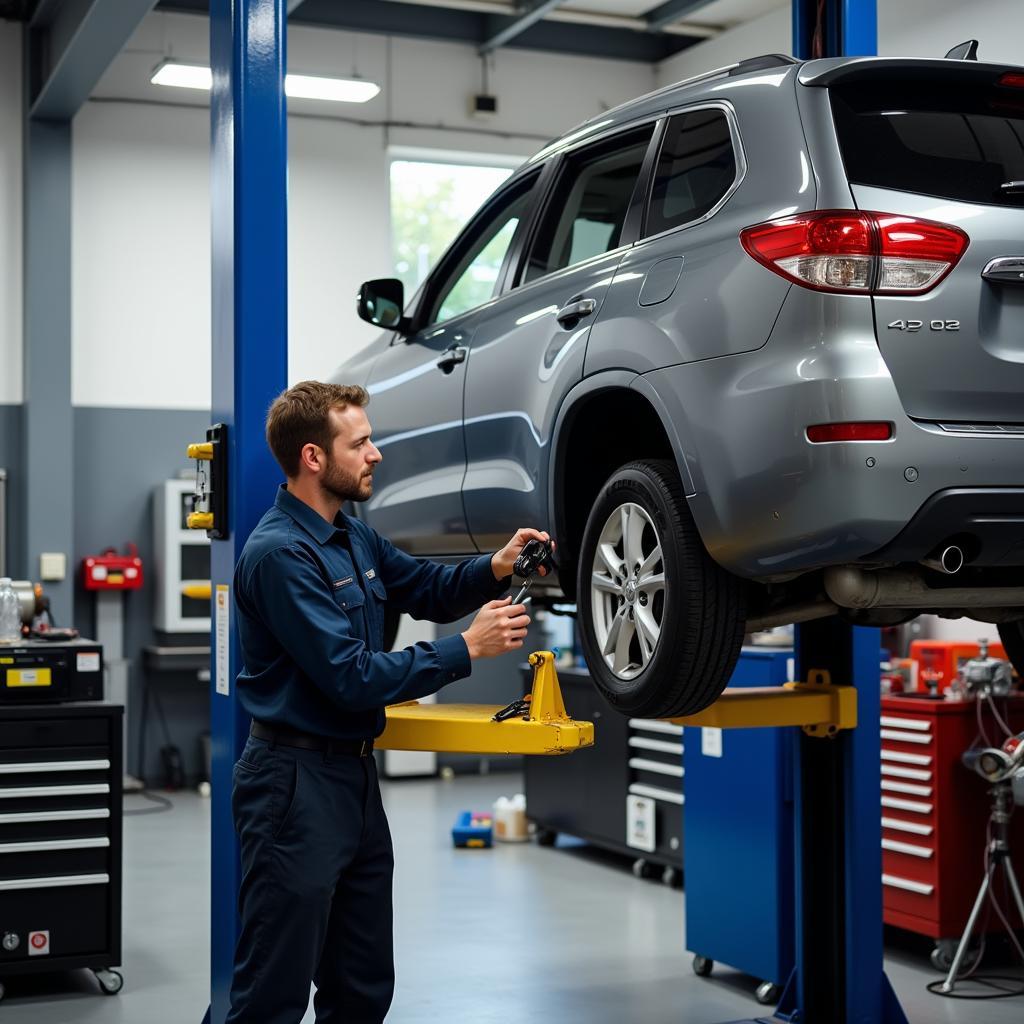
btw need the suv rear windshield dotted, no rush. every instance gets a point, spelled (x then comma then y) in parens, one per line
(960, 141)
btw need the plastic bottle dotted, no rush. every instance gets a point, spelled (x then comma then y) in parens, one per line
(10, 612)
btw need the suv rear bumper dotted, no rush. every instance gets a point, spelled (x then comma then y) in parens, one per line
(768, 503)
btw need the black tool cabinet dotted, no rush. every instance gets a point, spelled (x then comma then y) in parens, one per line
(60, 840)
(585, 794)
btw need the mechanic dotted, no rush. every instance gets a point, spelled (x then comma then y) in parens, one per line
(310, 591)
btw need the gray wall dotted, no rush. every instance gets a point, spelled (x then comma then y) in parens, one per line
(11, 457)
(120, 455)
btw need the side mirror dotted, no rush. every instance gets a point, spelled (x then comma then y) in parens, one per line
(382, 303)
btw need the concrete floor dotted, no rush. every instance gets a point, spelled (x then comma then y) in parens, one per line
(512, 935)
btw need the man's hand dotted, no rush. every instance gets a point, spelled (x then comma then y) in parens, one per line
(505, 559)
(499, 626)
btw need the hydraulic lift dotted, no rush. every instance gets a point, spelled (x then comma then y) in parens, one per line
(839, 977)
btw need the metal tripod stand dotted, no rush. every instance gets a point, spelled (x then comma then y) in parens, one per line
(998, 853)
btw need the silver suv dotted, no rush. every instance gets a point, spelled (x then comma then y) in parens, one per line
(751, 346)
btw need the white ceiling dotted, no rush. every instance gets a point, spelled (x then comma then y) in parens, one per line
(719, 13)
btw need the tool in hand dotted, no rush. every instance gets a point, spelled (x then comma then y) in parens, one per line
(535, 555)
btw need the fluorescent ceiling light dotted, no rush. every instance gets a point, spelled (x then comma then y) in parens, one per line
(307, 87)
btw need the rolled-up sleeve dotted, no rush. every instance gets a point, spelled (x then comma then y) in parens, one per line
(289, 595)
(429, 590)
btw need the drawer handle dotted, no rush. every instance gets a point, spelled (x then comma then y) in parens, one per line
(905, 737)
(910, 886)
(45, 845)
(653, 725)
(918, 774)
(906, 805)
(668, 795)
(903, 758)
(906, 723)
(895, 846)
(914, 827)
(27, 767)
(23, 791)
(53, 882)
(85, 814)
(644, 764)
(663, 746)
(906, 787)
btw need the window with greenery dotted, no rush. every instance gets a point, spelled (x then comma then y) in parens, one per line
(430, 203)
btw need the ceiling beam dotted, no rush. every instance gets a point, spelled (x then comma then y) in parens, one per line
(523, 20)
(71, 48)
(665, 14)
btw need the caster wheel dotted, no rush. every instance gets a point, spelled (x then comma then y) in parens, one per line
(670, 877)
(702, 966)
(643, 868)
(944, 954)
(110, 981)
(545, 837)
(767, 994)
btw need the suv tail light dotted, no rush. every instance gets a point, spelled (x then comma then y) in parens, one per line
(858, 252)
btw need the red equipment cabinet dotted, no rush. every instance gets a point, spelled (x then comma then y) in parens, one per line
(935, 812)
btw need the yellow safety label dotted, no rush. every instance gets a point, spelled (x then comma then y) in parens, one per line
(29, 677)
(6, 661)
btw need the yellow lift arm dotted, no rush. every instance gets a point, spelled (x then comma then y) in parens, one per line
(817, 706)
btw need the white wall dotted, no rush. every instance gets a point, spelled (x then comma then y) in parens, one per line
(907, 28)
(141, 331)
(10, 214)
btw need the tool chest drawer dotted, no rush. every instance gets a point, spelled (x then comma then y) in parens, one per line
(934, 812)
(60, 837)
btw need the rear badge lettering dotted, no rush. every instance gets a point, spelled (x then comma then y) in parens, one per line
(917, 325)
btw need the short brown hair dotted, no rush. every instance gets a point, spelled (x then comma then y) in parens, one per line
(299, 416)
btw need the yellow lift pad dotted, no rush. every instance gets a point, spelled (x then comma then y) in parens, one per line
(471, 729)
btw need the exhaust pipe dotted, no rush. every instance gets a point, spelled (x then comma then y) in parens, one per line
(792, 615)
(949, 560)
(850, 587)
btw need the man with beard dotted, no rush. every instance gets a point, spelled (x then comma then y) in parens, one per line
(310, 588)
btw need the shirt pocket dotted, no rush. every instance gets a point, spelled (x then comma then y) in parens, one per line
(379, 591)
(350, 598)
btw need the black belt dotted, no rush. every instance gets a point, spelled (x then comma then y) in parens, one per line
(280, 736)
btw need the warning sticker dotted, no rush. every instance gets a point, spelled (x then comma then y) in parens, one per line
(88, 661)
(223, 663)
(39, 943)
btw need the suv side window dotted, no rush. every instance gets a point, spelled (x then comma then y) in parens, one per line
(589, 204)
(696, 169)
(472, 280)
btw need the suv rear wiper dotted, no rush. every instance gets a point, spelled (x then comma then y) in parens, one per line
(1012, 188)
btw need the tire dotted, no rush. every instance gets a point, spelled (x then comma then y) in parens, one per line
(1011, 635)
(679, 659)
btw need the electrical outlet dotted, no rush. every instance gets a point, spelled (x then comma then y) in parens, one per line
(53, 566)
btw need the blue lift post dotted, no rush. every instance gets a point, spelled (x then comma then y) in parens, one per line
(839, 976)
(250, 354)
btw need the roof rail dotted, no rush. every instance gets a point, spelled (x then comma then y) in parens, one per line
(768, 60)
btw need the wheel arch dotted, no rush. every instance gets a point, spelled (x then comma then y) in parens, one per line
(588, 444)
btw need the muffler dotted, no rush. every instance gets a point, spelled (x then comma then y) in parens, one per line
(949, 560)
(850, 587)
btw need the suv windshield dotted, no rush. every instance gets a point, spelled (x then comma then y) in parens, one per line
(956, 141)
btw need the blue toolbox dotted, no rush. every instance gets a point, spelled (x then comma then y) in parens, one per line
(473, 830)
(738, 839)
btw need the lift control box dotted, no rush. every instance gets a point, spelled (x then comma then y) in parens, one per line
(111, 571)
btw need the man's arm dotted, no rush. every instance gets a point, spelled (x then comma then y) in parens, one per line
(429, 590)
(291, 597)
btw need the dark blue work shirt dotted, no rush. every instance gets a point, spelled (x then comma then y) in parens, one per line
(311, 621)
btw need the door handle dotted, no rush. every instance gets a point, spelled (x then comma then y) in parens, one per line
(451, 357)
(575, 310)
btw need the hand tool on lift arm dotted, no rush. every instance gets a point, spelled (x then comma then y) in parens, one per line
(535, 555)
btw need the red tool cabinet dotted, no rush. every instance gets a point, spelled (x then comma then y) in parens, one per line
(935, 812)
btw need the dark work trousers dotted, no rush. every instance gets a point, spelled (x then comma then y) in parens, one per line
(315, 899)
